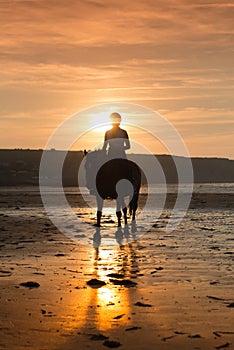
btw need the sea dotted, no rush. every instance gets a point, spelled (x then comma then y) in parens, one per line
(227, 188)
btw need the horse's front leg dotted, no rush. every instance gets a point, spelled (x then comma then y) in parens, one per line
(99, 209)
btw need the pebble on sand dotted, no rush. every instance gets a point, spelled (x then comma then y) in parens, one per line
(95, 283)
(226, 345)
(30, 284)
(111, 344)
(134, 328)
(139, 303)
(97, 337)
(194, 336)
(118, 317)
(59, 254)
(126, 283)
(4, 273)
(230, 305)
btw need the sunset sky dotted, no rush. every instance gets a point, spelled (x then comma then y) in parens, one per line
(174, 56)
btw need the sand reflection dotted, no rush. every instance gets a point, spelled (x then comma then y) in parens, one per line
(111, 303)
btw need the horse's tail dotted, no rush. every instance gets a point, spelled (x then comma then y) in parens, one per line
(136, 182)
(133, 204)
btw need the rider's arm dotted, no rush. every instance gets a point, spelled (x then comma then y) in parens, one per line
(126, 141)
(104, 147)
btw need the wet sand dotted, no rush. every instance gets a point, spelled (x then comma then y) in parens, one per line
(164, 291)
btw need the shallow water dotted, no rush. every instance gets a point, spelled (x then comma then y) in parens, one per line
(200, 221)
(156, 188)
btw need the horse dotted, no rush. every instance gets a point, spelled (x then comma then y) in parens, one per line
(113, 179)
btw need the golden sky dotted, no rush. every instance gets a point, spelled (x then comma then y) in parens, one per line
(173, 56)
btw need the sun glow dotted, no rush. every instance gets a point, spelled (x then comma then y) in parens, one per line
(100, 121)
(102, 129)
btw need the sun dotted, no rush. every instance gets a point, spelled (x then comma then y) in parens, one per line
(100, 121)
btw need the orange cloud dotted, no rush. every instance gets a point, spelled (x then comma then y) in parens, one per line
(171, 55)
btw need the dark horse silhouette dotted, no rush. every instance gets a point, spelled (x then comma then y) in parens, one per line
(113, 179)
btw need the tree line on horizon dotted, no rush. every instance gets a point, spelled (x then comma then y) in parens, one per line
(21, 167)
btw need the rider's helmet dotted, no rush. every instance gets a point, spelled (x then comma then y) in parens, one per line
(115, 118)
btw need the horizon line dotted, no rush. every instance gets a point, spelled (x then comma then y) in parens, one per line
(155, 154)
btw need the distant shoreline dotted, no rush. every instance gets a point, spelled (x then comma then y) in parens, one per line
(82, 151)
(36, 188)
(20, 167)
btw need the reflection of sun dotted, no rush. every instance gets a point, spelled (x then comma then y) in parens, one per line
(105, 307)
(112, 302)
(105, 294)
(104, 254)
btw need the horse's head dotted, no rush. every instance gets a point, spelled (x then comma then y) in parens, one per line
(94, 160)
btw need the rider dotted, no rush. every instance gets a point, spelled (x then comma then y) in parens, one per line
(116, 139)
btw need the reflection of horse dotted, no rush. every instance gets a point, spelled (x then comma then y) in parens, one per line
(113, 179)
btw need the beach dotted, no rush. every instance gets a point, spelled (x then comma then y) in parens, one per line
(161, 291)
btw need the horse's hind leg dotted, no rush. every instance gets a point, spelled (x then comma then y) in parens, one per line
(125, 211)
(99, 210)
(118, 212)
(133, 208)
(120, 204)
(134, 214)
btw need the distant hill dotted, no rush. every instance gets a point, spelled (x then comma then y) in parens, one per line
(21, 167)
